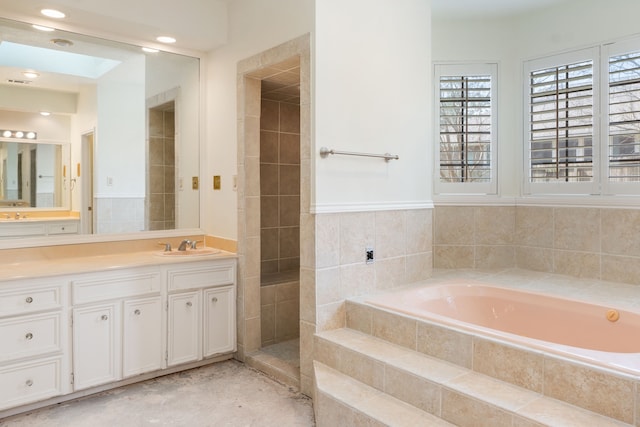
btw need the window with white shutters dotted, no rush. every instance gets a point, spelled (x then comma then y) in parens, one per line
(466, 124)
(624, 118)
(561, 123)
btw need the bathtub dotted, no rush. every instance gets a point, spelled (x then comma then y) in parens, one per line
(597, 334)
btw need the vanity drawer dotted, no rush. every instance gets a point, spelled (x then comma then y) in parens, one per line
(27, 336)
(68, 228)
(29, 382)
(104, 286)
(202, 277)
(19, 301)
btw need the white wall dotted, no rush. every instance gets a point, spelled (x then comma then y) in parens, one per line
(254, 26)
(511, 40)
(120, 136)
(372, 94)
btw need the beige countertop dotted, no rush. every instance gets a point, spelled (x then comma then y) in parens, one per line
(34, 268)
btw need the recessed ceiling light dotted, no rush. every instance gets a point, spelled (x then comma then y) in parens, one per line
(42, 28)
(30, 74)
(45, 113)
(166, 39)
(52, 13)
(150, 50)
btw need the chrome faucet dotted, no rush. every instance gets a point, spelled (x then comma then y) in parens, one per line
(17, 215)
(184, 244)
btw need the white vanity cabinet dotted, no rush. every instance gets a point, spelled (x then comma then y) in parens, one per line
(33, 341)
(201, 311)
(67, 334)
(117, 325)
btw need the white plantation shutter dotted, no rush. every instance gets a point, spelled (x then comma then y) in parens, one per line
(623, 127)
(560, 123)
(466, 126)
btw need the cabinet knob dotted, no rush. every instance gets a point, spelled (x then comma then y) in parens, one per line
(214, 299)
(189, 303)
(137, 312)
(29, 383)
(104, 317)
(29, 300)
(29, 336)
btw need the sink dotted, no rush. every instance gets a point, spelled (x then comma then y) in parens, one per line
(191, 252)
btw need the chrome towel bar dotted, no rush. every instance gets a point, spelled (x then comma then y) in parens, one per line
(324, 152)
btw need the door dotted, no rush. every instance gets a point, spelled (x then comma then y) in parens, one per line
(96, 345)
(219, 322)
(142, 340)
(184, 328)
(84, 173)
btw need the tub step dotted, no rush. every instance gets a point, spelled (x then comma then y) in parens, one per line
(445, 390)
(342, 401)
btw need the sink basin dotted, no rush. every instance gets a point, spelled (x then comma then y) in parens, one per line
(191, 252)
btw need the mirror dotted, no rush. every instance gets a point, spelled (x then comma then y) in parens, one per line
(119, 146)
(32, 175)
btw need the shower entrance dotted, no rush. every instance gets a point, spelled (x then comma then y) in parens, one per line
(279, 354)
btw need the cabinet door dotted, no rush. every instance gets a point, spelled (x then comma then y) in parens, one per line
(142, 336)
(220, 319)
(184, 328)
(96, 345)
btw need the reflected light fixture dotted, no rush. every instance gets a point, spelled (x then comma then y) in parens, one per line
(19, 134)
(52, 13)
(42, 28)
(150, 50)
(30, 74)
(166, 39)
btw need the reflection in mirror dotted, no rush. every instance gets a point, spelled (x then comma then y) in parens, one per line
(121, 138)
(32, 175)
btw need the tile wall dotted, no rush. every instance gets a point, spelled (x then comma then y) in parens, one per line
(161, 169)
(279, 187)
(586, 242)
(279, 312)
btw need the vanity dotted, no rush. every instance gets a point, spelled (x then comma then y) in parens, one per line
(75, 325)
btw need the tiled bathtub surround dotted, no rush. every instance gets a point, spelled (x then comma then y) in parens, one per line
(587, 242)
(604, 391)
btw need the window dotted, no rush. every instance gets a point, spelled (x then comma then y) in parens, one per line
(466, 126)
(583, 131)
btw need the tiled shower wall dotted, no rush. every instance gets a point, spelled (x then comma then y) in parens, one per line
(279, 187)
(162, 169)
(587, 242)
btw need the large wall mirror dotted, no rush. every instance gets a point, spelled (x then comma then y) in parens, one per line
(103, 130)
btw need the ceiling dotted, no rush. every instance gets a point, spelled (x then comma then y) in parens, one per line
(198, 25)
(485, 8)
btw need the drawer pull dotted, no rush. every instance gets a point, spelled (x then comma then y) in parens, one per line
(137, 312)
(189, 303)
(29, 300)
(29, 383)
(29, 336)
(214, 299)
(104, 317)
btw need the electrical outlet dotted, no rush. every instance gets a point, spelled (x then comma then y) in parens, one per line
(216, 182)
(369, 255)
(195, 183)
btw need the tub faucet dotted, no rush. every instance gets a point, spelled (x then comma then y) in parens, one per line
(184, 244)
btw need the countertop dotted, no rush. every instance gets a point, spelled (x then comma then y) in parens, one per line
(86, 264)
